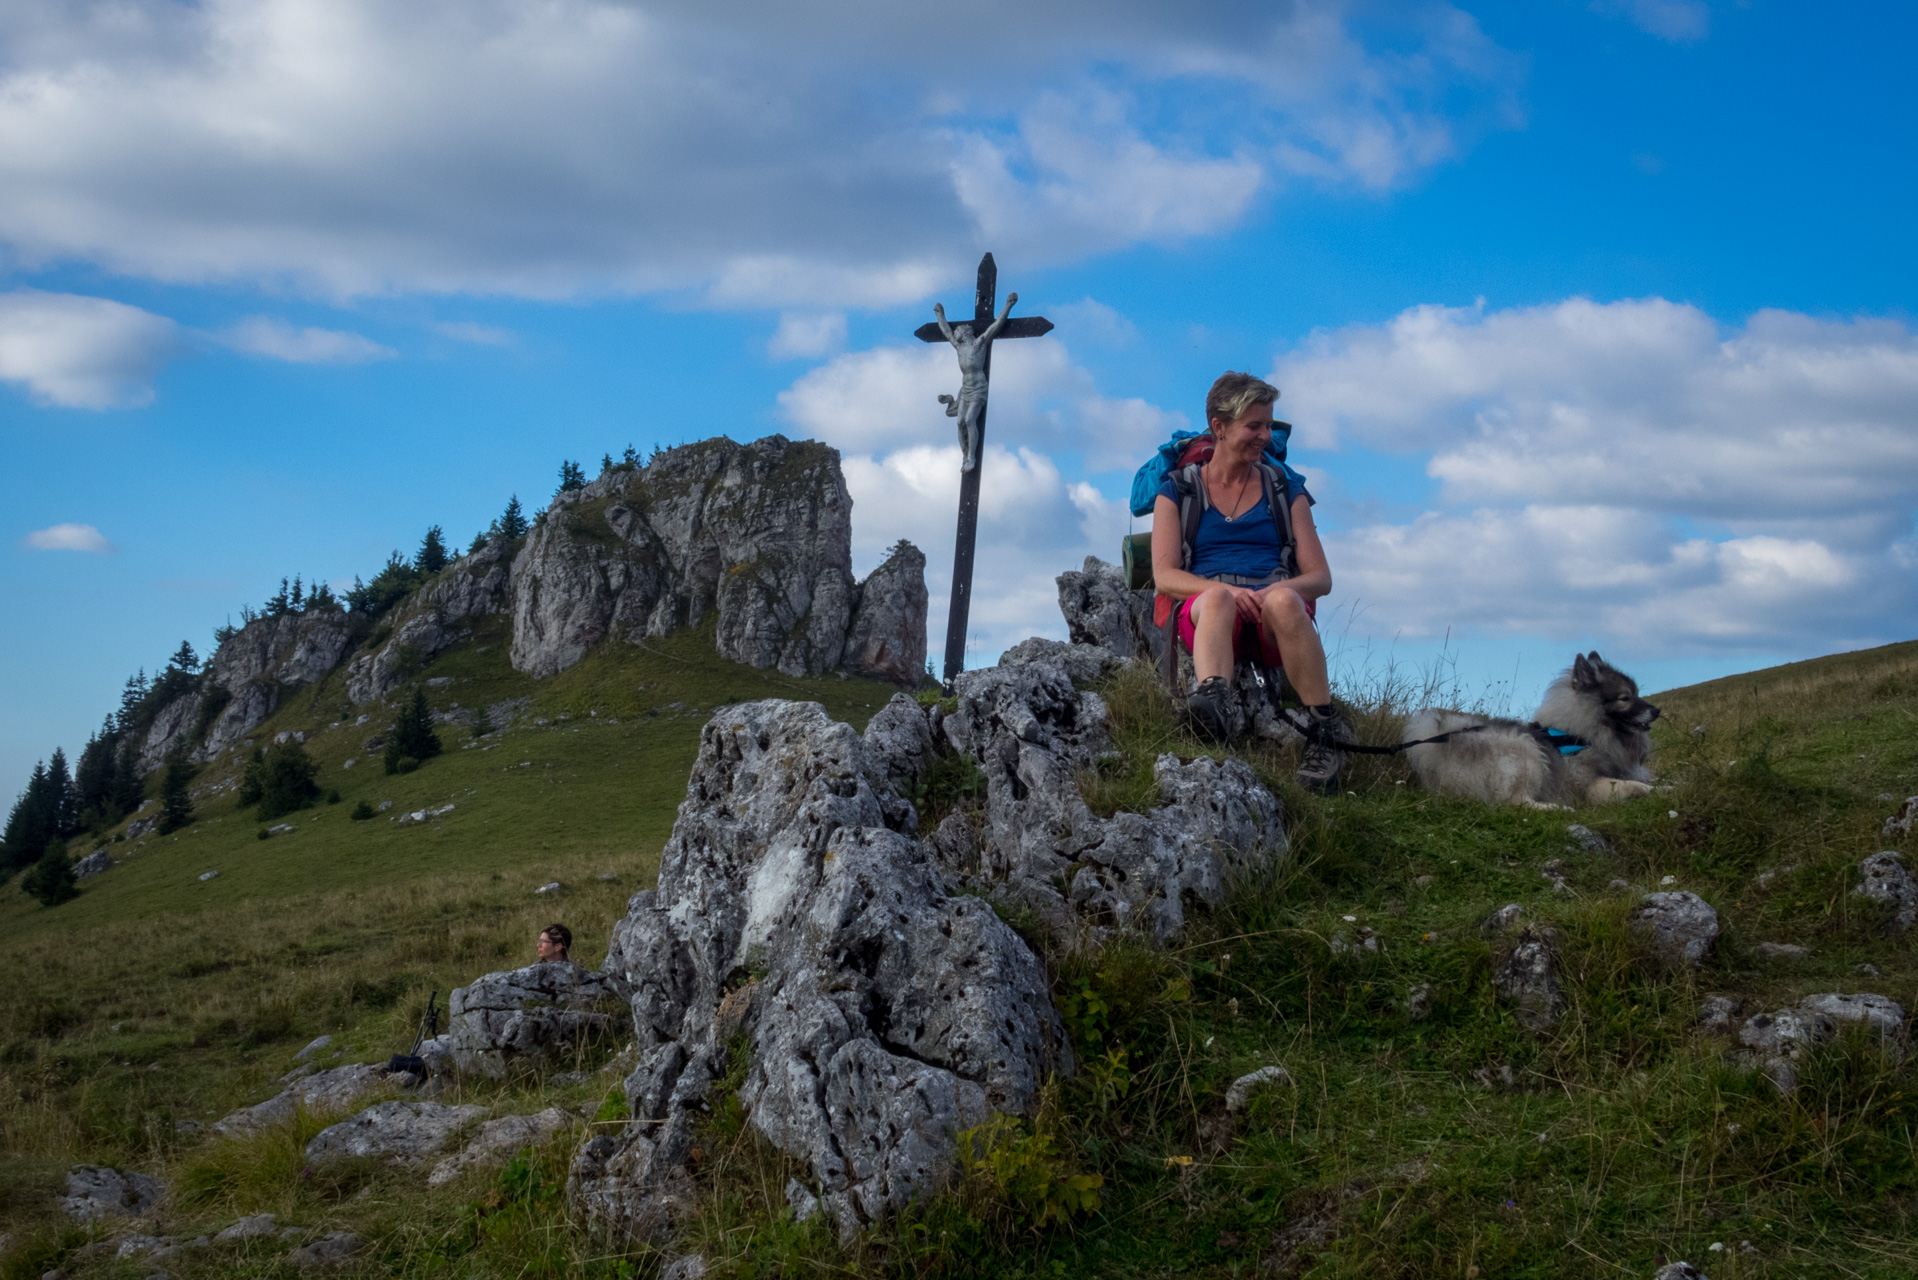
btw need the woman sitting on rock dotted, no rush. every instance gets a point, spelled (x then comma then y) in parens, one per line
(554, 942)
(1244, 581)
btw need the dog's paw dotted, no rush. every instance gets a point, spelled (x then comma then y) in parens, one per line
(1607, 790)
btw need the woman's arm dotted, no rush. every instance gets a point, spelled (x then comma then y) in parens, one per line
(1168, 549)
(1315, 575)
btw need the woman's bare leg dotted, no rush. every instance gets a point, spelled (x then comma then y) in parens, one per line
(1290, 627)
(1215, 622)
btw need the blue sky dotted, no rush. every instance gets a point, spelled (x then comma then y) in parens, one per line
(1594, 318)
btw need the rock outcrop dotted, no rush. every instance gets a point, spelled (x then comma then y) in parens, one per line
(520, 1019)
(1527, 979)
(1883, 877)
(758, 534)
(92, 865)
(95, 1192)
(1778, 1042)
(392, 1131)
(1099, 609)
(497, 1141)
(791, 923)
(1680, 926)
(323, 1091)
(887, 637)
(441, 613)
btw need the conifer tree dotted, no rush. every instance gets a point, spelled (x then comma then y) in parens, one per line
(298, 601)
(512, 523)
(28, 825)
(176, 806)
(280, 780)
(280, 603)
(412, 738)
(480, 539)
(59, 801)
(632, 457)
(129, 791)
(131, 697)
(51, 879)
(184, 659)
(93, 775)
(570, 478)
(432, 555)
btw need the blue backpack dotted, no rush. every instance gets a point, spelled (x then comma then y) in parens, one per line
(1196, 446)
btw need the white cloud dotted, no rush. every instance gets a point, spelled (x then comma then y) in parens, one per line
(1675, 20)
(71, 537)
(82, 353)
(278, 340)
(807, 334)
(1629, 469)
(484, 335)
(800, 155)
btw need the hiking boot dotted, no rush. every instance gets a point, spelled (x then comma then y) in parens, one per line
(1323, 762)
(1210, 709)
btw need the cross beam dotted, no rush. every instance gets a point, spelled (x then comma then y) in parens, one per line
(970, 408)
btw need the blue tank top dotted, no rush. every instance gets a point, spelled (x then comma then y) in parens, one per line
(1247, 546)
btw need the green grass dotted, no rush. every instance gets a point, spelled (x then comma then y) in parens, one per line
(1452, 1144)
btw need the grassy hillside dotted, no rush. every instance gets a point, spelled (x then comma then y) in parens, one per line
(1425, 1135)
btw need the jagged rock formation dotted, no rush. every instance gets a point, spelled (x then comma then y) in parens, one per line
(887, 638)
(1527, 979)
(1099, 609)
(759, 534)
(1679, 925)
(95, 1192)
(1883, 877)
(496, 1142)
(881, 1014)
(324, 1091)
(395, 1131)
(1778, 1042)
(518, 1019)
(441, 614)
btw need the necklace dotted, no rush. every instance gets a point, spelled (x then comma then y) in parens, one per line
(1237, 494)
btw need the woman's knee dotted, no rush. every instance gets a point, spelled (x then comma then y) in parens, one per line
(1213, 602)
(1285, 610)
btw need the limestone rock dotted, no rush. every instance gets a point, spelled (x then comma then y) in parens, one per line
(882, 1015)
(324, 1091)
(759, 533)
(312, 1048)
(689, 1266)
(442, 612)
(1719, 1016)
(1588, 840)
(518, 1019)
(395, 1131)
(93, 864)
(497, 1141)
(1506, 917)
(887, 638)
(900, 752)
(1099, 610)
(95, 1192)
(1527, 977)
(1680, 924)
(260, 1224)
(1901, 823)
(1239, 1095)
(263, 662)
(328, 1251)
(1882, 1014)
(1084, 663)
(1031, 732)
(1885, 879)
(1679, 1271)
(1782, 950)
(1777, 1042)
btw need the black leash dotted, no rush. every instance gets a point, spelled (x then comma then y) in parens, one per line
(1556, 740)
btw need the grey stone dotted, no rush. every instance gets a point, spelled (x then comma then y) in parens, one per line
(1527, 978)
(1418, 1003)
(1782, 950)
(93, 864)
(1882, 1014)
(520, 1019)
(1719, 1016)
(1680, 924)
(1901, 823)
(394, 1131)
(1679, 1270)
(96, 1191)
(900, 752)
(1588, 840)
(887, 636)
(1031, 733)
(1504, 918)
(312, 1048)
(1099, 610)
(759, 534)
(805, 1205)
(260, 1224)
(548, 889)
(441, 613)
(1084, 663)
(1777, 1042)
(690, 1266)
(323, 1092)
(1239, 1095)
(328, 1251)
(497, 1141)
(1883, 878)
(881, 1014)
(140, 1246)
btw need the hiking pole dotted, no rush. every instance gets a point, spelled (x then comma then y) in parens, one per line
(410, 1062)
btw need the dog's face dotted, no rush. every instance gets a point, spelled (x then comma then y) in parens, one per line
(1615, 692)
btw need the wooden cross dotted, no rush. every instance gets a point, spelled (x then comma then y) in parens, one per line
(969, 406)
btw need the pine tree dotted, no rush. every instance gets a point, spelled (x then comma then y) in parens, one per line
(432, 555)
(632, 457)
(280, 603)
(605, 463)
(51, 879)
(480, 539)
(93, 775)
(512, 523)
(280, 780)
(184, 659)
(176, 806)
(570, 478)
(321, 598)
(298, 602)
(28, 825)
(59, 801)
(129, 790)
(412, 738)
(131, 697)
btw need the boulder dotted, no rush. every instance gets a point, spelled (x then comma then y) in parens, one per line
(1679, 1271)
(1100, 610)
(1901, 823)
(392, 1131)
(1680, 925)
(1084, 663)
(260, 1224)
(1506, 917)
(1527, 978)
(887, 637)
(1883, 878)
(328, 1251)
(881, 1015)
(1881, 1013)
(498, 1140)
(759, 534)
(441, 613)
(1777, 1042)
(312, 1048)
(1588, 840)
(95, 1192)
(520, 1019)
(1239, 1095)
(326, 1092)
(1031, 734)
(93, 864)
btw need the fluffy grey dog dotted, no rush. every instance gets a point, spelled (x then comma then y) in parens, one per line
(1509, 762)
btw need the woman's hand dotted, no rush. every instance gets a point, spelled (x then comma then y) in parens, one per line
(1248, 602)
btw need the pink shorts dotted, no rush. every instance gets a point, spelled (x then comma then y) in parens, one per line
(1242, 638)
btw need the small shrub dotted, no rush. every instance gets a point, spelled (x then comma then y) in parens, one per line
(332, 795)
(412, 737)
(1025, 1172)
(51, 878)
(362, 812)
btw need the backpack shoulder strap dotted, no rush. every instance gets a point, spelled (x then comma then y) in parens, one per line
(1192, 505)
(1278, 498)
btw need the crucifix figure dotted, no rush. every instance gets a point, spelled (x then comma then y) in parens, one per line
(973, 340)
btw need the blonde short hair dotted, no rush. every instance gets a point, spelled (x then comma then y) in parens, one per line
(1235, 393)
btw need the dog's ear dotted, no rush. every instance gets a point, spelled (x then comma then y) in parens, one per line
(1583, 675)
